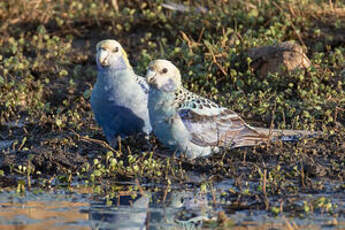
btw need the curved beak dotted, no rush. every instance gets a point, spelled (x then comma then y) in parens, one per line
(102, 57)
(150, 76)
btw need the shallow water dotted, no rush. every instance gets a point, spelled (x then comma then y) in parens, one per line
(43, 211)
(166, 209)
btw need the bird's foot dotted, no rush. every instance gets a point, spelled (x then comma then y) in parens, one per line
(148, 145)
(116, 143)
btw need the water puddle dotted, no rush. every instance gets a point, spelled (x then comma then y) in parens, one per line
(43, 211)
(161, 209)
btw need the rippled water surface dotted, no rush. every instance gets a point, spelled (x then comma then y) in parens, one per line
(166, 209)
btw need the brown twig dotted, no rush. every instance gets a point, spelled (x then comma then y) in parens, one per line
(336, 112)
(292, 25)
(201, 33)
(288, 225)
(88, 139)
(166, 190)
(115, 5)
(141, 190)
(215, 62)
(185, 37)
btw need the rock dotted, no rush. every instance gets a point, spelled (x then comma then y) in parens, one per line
(286, 56)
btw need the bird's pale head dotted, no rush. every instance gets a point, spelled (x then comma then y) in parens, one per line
(163, 75)
(110, 54)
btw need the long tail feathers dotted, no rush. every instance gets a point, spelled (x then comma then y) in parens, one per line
(286, 134)
(254, 136)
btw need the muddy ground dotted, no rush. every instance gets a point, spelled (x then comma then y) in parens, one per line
(49, 138)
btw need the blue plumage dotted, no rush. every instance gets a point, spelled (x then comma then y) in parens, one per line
(194, 125)
(119, 97)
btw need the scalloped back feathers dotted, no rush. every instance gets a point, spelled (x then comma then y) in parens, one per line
(197, 126)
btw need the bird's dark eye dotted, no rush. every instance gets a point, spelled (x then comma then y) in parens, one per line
(165, 70)
(116, 49)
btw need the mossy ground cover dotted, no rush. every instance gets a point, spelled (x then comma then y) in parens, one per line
(47, 70)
